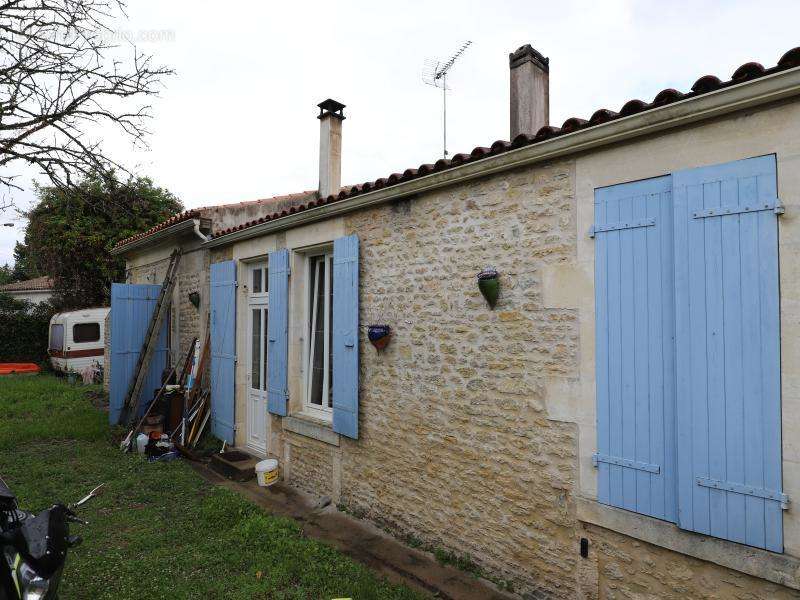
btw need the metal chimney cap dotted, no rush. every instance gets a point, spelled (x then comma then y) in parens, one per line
(331, 107)
(528, 53)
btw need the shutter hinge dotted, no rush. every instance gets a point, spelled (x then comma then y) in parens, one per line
(720, 211)
(746, 490)
(624, 462)
(632, 224)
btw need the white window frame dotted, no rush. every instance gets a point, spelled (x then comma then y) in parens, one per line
(309, 318)
(258, 265)
(257, 301)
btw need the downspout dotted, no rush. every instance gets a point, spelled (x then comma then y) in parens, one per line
(197, 231)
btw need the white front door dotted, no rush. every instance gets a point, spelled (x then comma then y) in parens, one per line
(258, 308)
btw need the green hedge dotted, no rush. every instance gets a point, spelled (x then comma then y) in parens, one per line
(24, 328)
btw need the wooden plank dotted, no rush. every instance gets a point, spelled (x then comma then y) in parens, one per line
(641, 401)
(715, 309)
(601, 351)
(733, 351)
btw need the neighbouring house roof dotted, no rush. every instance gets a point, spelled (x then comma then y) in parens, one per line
(704, 85)
(218, 210)
(38, 284)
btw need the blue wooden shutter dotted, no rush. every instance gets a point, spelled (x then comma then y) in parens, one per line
(278, 333)
(132, 307)
(223, 349)
(345, 336)
(728, 352)
(635, 367)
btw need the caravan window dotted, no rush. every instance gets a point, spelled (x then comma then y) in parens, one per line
(56, 337)
(85, 332)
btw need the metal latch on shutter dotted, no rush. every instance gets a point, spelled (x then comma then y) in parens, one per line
(747, 490)
(625, 462)
(721, 211)
(632, 224)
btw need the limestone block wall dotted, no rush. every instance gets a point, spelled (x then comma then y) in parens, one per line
(468, 430)
(456, 447)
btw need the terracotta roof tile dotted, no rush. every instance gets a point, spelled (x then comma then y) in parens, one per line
(704, 85)
(36, 284)
(173, 220)
(197, 213)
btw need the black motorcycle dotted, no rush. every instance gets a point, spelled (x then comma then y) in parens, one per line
(34, 547)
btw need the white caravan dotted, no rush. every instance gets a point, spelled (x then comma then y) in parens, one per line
(77, 339)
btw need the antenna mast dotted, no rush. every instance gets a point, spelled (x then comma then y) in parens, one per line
(435, 74)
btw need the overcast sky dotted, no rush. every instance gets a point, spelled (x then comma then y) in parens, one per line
(237, 121)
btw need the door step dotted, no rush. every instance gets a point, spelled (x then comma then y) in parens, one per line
(235, 465)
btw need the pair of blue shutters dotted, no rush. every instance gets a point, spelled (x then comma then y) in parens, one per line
(688, 350)
(345, 335)
(132, 307)
(345, 339)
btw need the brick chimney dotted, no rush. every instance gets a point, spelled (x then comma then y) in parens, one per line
(330, 118)
(530, 91)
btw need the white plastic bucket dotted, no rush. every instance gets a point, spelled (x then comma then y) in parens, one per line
(267, 472)
(141, 442)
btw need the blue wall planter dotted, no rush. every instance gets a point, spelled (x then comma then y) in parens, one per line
(379, 335)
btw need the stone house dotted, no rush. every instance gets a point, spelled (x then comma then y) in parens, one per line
(621, 424)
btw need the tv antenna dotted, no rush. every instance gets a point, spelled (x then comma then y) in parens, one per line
(434, 73)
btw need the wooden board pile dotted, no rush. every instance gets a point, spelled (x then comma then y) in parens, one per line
(193, 386)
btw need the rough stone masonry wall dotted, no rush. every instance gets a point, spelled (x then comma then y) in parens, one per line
(455, 444)
(626, 568)
(188, 315)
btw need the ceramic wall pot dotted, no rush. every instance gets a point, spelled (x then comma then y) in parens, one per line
(379, 335)
(489, 285)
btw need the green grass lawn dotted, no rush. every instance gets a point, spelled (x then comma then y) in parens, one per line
(158, 530)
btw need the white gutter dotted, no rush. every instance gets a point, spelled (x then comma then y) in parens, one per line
(763, 90)
(188, 226)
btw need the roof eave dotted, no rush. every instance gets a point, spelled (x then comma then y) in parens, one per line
(764, 90)
(156, 237)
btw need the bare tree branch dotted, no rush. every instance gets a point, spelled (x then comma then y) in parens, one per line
(59, 85)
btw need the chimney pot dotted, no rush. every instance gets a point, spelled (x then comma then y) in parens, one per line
(331, 115)
(530, 90)
(331, 107)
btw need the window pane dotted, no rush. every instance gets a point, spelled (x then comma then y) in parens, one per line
(265, 320)
(256, 281)
(317, 330)
(56, 337)
(255, 364)
(266, 279)
(85, 332)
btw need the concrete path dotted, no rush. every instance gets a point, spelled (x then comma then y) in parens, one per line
(365, 543)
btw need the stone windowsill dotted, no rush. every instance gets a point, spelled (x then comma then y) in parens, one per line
(777, 568)
(304, 424)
